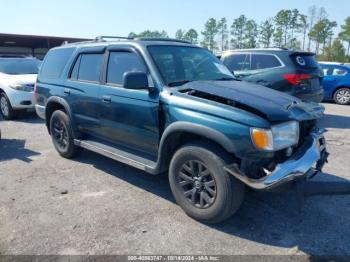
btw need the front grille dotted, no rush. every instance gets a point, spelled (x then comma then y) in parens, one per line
(306, 128)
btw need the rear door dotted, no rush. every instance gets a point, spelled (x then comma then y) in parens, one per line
(129, 117)
(238, 64)
(83, 89)
(265, 69)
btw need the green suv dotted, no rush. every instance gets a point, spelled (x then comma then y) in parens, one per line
(169, 107)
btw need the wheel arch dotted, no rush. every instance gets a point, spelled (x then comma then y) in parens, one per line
(338, 87)
(57, 103)
(181, 133)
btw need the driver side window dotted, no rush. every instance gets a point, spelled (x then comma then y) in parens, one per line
(120, 63)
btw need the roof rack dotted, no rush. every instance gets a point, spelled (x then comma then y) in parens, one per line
(162, 39)
(103, 37)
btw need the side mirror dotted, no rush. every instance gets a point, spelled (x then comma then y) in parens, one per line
(135, 80)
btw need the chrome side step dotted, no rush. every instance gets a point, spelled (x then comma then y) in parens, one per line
(120, 155)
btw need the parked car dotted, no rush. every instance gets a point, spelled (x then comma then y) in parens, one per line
(17, 78)
(170, 106)
(336, 83)
(292, 72)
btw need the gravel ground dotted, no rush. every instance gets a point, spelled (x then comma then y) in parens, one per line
(94, 205)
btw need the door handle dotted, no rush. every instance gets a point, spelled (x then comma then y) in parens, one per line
(66, 91)
(106, 99)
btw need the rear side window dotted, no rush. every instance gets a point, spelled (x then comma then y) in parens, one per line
(262, 61)
(238, 62)
(87, 67)
(55, 62)
(120, 63)
(308, 61)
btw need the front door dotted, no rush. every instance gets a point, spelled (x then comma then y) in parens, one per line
(129, 117)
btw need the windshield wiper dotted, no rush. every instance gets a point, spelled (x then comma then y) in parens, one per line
(178, 83)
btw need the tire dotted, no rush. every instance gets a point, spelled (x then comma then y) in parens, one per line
(6, 109)
(342, 96)
(62, 134)
(225, 193)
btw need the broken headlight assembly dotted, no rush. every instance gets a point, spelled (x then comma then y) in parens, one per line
(278, 137)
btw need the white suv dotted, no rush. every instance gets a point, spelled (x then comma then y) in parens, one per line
(17, 79)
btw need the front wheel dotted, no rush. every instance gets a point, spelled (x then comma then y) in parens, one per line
(62, 135)
(201, 186)
(342, 96)
(6, 109)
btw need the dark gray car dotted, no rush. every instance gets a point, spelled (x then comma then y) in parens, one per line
(296, 73)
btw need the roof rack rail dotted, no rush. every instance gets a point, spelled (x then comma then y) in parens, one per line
(162, 39)
(103, 37)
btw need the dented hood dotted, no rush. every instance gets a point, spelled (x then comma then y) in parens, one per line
(272, 104)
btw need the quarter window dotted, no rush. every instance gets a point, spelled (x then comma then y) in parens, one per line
(87, 67)
(121, 62)
(339, 72)
(262, 61)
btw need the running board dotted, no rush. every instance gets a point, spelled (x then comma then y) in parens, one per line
(120, 155)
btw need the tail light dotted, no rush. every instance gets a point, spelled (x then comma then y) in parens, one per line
(296, 79)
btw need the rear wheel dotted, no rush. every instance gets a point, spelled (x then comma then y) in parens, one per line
(6, 109)
(62, 135)
(201, 186)
(342, 96)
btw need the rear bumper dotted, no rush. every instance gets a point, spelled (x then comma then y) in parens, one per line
(316, 96)
(312, 156)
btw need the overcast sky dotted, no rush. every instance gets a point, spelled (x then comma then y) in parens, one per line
(89, 18)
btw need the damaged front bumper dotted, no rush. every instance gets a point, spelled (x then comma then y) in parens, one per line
(309, 159)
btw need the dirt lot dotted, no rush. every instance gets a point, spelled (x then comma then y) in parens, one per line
(93, 205)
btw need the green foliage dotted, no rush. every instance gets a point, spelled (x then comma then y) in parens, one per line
(288, 28)
(282, 20)
(334, 52)
(266, 31)
(278, 37)
(322, 31)
(250, 34)
(180, 34)
(304, 26)
(191, 36)
(237, 31)
(150, 34)
(209, 34)
(345, 34)
(223, 33)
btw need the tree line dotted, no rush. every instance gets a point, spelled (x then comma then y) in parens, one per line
(289, 28)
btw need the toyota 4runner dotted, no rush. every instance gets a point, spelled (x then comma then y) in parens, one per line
(166, 106)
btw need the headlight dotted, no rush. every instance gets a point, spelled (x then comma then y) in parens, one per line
(278, 137)
(21, 87)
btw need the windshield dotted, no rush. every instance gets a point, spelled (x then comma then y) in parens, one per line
(19, 66)
(179, 65)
